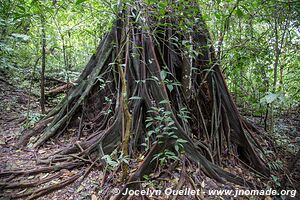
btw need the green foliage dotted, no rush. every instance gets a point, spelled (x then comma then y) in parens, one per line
(73, 31)
(161, 127)
(113, 161)
(269, 98)
(282, 140)
(149, 183)
(32, 118)
(276, 165)
(184, 114)
(276, 180)
(168, 82)
(244, 34)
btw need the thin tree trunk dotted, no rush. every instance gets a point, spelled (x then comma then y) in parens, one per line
(42, 101)
(277, 51)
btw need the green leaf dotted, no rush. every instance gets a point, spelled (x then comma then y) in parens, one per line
(170, 87)
(218, 15)
(171, 123)
(269, 98)
(164, 101)
(150, 133)
(154, 78)
(163, 74)
(149, 124)
(181, 141)
(21, 36)
(239, 12)
(80, 1)
(125, 161)
(177, 148)
(135, 98)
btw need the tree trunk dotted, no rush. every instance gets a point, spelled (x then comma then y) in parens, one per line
(43, 64)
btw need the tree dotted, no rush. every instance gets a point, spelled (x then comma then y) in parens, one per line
(43, 64)
(153, 86)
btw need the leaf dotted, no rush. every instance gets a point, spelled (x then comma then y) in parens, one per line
(171, 123)
(181, 141)
(149, 124)
(135, 98)
(125, 161)
(177, 148)
(218, 16)
(80, 1)
(202, 184)
(239, 12)
(80, 188)
(164, 101)
(269, 98)
(163, 74)
(150, 133)
(94, 197)
(268, 198)
(170, 87)
(44, 176)
(21, 8)
(154, 78)
(21, 36)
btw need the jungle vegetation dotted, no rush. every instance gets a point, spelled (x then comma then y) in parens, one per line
(155, 81)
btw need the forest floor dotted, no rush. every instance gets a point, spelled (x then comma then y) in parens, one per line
(14, 106)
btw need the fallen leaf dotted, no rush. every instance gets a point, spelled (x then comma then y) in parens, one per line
(54, 182)
(226, 169)
(30, 177)
(80, 188)
(68, 173)
(44, 176)
(202, 184)
(94, 197)
(42, 151)
(239, 170)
